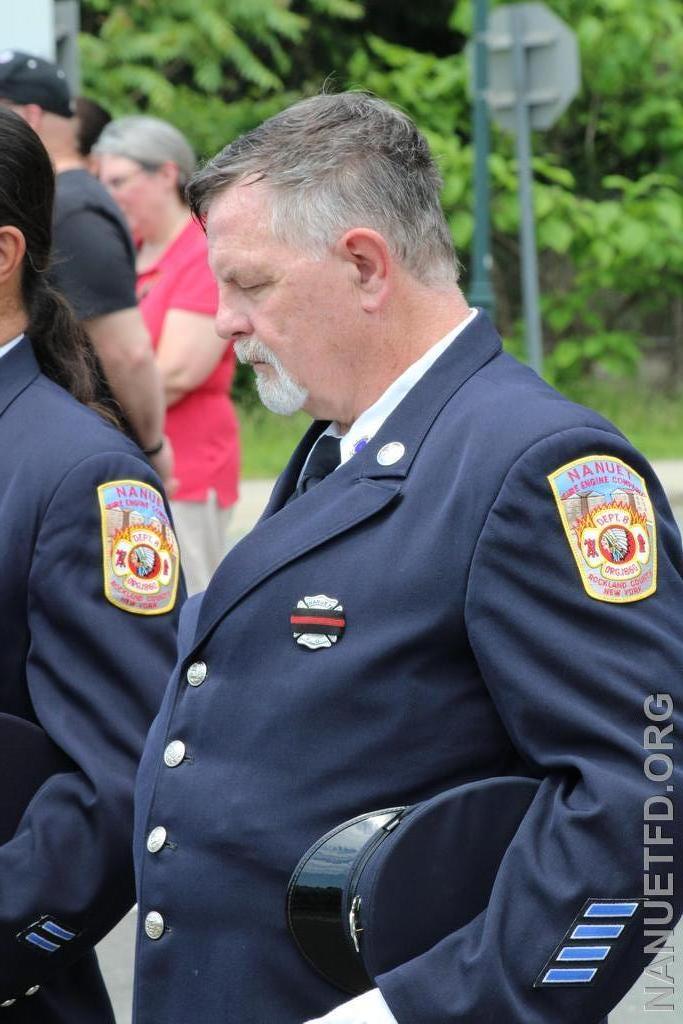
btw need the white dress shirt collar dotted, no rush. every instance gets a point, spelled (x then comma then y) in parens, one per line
(370, 421)
(8, 346)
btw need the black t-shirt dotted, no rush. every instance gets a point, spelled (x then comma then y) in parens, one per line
(93, 261)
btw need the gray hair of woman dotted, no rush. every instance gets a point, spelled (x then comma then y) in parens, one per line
(150, 142)
(336, 161)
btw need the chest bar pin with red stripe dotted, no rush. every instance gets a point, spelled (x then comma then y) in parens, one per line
(317, 622)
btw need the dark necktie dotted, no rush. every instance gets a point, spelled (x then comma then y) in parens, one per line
(323, 460)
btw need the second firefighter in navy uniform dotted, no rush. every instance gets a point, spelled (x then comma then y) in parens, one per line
(489, 584)
(89, 599)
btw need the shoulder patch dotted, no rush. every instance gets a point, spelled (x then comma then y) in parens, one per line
(139, 549)
(607, 516)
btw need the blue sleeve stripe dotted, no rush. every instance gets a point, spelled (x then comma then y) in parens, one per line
(55, 929)
(568, 975)
(611, 910)
(583, 953)
(597, 931)
(38, 940)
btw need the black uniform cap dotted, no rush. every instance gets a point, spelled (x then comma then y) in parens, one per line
(25, 78)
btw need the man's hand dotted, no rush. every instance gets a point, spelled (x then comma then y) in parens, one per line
(369, 1008)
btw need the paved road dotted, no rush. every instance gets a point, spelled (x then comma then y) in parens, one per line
(116, 952)
(254, 495)
(116, 959)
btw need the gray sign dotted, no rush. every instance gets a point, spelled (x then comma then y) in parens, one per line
(552, 74)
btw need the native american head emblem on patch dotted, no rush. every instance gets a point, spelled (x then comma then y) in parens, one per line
(139, 547)
(607, 516)
(318, 622)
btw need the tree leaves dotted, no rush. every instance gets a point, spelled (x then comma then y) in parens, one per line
(607, 196)
(136, 55)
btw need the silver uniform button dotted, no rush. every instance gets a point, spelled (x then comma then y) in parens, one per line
(196, 673)
(174, 753)
(154, 925)
(156, 839)
(32, 990)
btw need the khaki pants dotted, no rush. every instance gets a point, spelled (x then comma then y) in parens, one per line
(202, 532)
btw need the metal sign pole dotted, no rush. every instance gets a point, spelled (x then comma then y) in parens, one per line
(67, 26)
(481, 293)
(532, 315)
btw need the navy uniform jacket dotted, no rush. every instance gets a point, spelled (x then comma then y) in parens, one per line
(471, 649)
(80, 681)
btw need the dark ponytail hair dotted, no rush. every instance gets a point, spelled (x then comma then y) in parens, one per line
(27, 186)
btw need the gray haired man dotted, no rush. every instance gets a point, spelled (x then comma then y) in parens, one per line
(415, 614)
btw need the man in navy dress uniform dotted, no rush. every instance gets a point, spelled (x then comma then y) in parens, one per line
(487, 584)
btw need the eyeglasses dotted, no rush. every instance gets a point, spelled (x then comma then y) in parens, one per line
(121, 180)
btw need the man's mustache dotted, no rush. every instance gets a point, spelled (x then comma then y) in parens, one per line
(254, 351)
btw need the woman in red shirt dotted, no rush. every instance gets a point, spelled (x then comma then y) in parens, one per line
(146, 163)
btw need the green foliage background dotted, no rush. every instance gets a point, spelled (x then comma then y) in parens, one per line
(607, 193)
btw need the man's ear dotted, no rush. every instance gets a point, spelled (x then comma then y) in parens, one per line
(12, 250)
(369, 255)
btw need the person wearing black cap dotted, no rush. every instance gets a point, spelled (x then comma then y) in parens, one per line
(89, 600)
(94, 256)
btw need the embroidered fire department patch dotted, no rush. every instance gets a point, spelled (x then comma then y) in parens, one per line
(317, 622)
(608, 519)
(139, 548)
